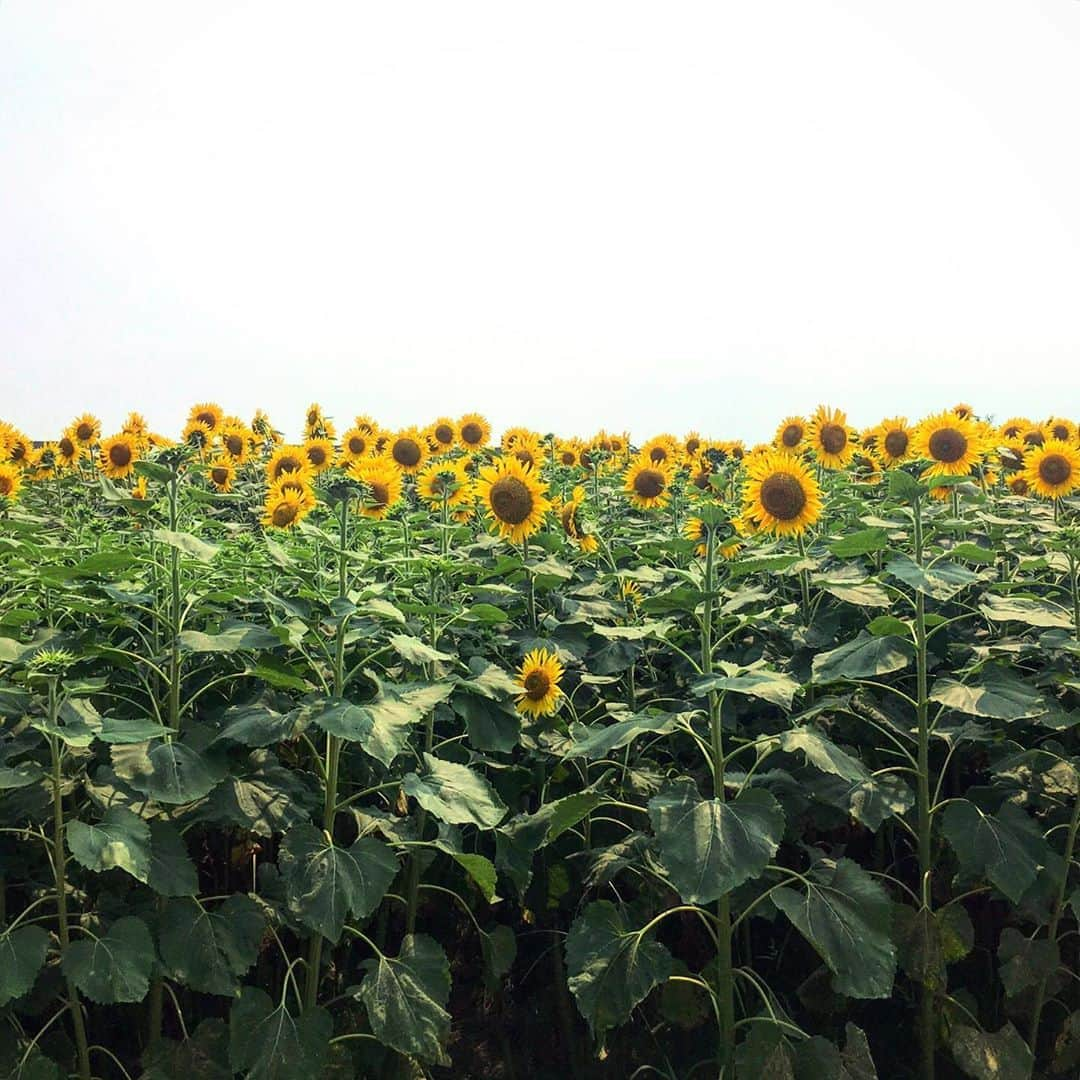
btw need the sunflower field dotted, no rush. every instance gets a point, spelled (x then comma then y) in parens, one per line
(411, 753)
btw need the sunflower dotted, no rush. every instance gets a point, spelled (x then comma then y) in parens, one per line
(135, 424)
(443, 434)
(512, 436)
(691, 444)
(236, 442)
(661, 450)
(952, 445)
(320, 454)
(963, 410)
(383, 483)
(221, 472)
(1013, 426)
(568, 453)
(866, 467)
(10, 482)
(514, 499)
(197, 433)
(781, 494)
(619, 442)
(19, 448)
(408, 450)
(539, 677)
(445, 478)
(697, 530)
(317, 425)
(366, 424)
(1033, 435)
(528, 450)
(285, 460)
(1057, 427)
(1052, 470)
(830, 437)
(355, 445)
(1018, 484)
(647, 483)
(264, 430)
(630, 591)
(700, 471)
(68, 450)
(572, 524)
(118, 455)
(139, 491)
(85, 429)
(296, 485)
(893, 441)
(791, 434)
(283, 510)
(208, 413)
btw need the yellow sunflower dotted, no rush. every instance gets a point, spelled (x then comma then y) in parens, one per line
(297, 486)
(85, 429)
(236, 442)
(963, 410)
(283, 510)
(68, 450)
(135, 424)
(264, 429)
(528, 450)
(781, 495)
(285, 460)
(1057, 427)
(866, 468)
(139, 490)
(893, 442)
(118, 455)
(568, 453)
(208, 413)
(691, 444)
(513, 435)
(197, 433)
(19, 448)
(514, 499)
(443, 434)
(647, 483)
(408, 450)
(700, 471)
(366, 424)
(630, 591)
(1013, 426)
(221, 472)
(320, 454)
(383, 483)
(830, 437)
(446, 477)
(10, 482)
(791, 434)
(572, 523)
(539, 677)
(1033, 435)
(661, 450)
(950, 443)
(1053, 469)
(1018, 484)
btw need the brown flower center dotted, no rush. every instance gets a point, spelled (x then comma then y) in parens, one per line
(1019, 485)
(120, 454)
(406, 452)
(649, 483)
(568, 457)
(287, 465)
(66, 446)
(472, 433)
(700, 480)
(896, 443)
(6, 485)
(832, 437)
(1034, 438)
(783, 496)
(380, 493)
(220, 476)
(692, 445)
(511, 500)
(537, 684)
(525, 456)
(658, 455)
(567, 517)
(792, 435)
(444, 434)
(234, 444)
(357, 444)
(84, 432)
(208, 418)
(317, 455)
(1011, 431)
(1054, 469)
(284, 514)
(948, 445)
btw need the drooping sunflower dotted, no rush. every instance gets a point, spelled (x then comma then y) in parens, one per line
(220, 473)
(197, 433)
(85, 429)
(19, 448)
(700, 472)
(574, 526)
(791, 434)
(10, 482)
(1018, 484)
(893, 443)
(208, 413)
(382, 480)
(781, 494)
(829, 437)
(539, 677)
(1053, 469)
(514, 498)
(950, 443)
(648, 483)
(408, 450)
(356, 444)
(443, 433)
(447, 478)
(135, 424)
(691, 444)
(285, 460)
(118, 455)
(264, 430)
(283, 509)
(1057, 427)
(963, 410)
(366, 424)
(866, 467)
(734, 448)
(236, 442)
(320, 454)
(68, 450)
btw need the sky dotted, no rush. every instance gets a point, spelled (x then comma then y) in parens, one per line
(642, 216)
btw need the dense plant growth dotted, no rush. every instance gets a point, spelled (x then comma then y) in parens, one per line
(391, 754)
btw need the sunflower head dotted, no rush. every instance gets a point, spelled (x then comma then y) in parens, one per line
(208, 413)
(135, 424)
(963, 410)
(320, 454)
(893, 442)
(220, 473)
(473, 431)
(647, 483)
(514, 498)
(285, 460)
(830, 438)
(10, 482)
(408, 449)
(283, 509)
(661, 451)
(538, 677)
(117, 456)
(85, 429)
(443, 435)
(950, 443)
(68, 450)
(235, 442)
(445, 479)
(781, 495)
(568, 453)
(381, 481)
(197, 434)
(791, 434)
(1057, 427)
(1053, 469)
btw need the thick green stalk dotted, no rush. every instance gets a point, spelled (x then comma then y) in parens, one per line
(60, 884)
(1074, 581)
(1055, 918)
(174, 611)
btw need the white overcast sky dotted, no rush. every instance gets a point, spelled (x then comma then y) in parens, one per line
(569, 214)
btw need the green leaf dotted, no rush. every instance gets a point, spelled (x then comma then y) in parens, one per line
(172, 873)
(709, 847)
(846, 916)
(257, 725)
(1025, 962)
(25, 774)
(598, 740)
(325, 883)
(173, 773)
(416, 651)
(154, 470)
(942, 581)
(884, 625)
(22, 956)
(123, 732)
(1023, 609)
(975, 553)
(864, 658)
(269, 1043)
(115, 967)
(233, 639)
(405, 998)
(1002, 1055)
(904, 487)
(863, 542)
(1007, 849)
(121, 839)
(862, 593)
(187, 544)
(819, 1059)
(763, 564)
(209, 948)
(203, 1056)
(611, 967)
(823, 753)
(455, 794)
(771, 686)
(996, 693)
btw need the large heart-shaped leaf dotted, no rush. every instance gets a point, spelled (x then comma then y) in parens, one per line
(120, 839)
(208, 948)
(455, 794)
(22, 956)
(864, 658)
(266, 1042)
(113, 967)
